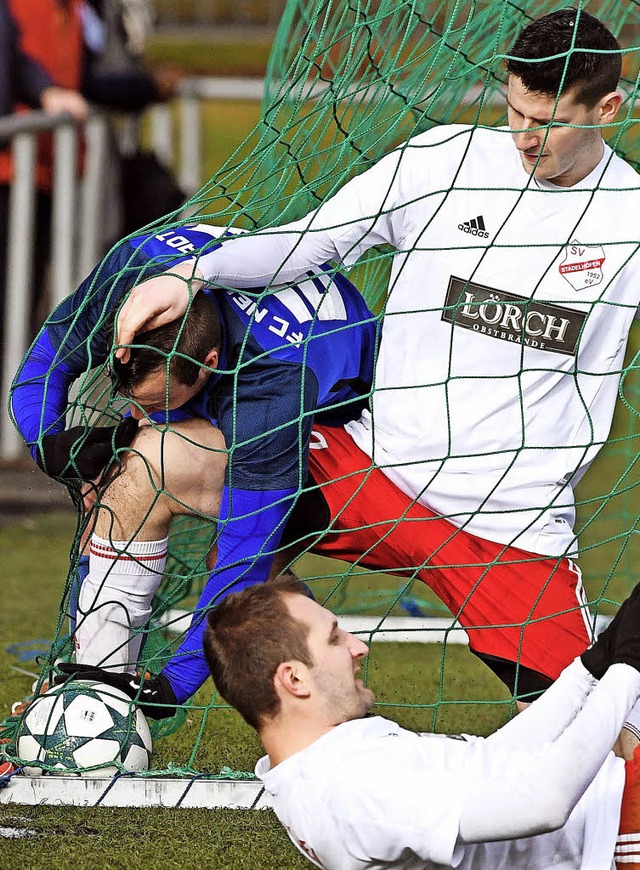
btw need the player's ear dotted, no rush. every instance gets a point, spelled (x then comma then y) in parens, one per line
(211, 359)
(291, 679)
(608, 107)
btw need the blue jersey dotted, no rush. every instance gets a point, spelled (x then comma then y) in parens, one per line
(286, 358)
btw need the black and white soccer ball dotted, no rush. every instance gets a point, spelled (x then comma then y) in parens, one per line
(83, 727)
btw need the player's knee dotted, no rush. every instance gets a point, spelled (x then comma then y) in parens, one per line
(135, 463)
(194, 464)
(186, 452)
(165, 472)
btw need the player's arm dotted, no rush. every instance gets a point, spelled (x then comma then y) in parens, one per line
(360, 215)
(551, 777)
(266, 421)
(40, 391)
(77, 337)
(534, 790)
(366, 211)
(251, 525)
(548, 717)
(38, 406)
(165, 297)
(500, 794)
(72, 341)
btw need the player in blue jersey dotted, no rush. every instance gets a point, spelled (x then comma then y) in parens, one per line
(259, 370)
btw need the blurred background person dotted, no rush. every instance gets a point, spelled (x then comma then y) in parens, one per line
(115, 75)
(26, 82)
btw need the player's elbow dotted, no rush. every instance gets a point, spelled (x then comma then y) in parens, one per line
(544, 805)
(545, 794)
(533, 818)
(555, 794)
(553, 815)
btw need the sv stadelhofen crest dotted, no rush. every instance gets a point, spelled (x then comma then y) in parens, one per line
(582, 265)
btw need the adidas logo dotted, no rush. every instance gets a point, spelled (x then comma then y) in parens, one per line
(475, 227)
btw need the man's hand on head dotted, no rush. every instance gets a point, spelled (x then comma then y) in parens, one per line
(154, 302)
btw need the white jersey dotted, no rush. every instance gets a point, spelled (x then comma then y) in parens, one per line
(370, 794)
(504, 333)
(541, 792)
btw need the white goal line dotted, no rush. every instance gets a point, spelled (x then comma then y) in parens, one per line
(131, 791)
(390, 629)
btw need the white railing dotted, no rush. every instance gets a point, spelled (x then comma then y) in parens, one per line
(73, 206)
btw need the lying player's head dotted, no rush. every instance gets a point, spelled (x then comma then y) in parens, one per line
(271, 649)
(186, 350)
(575, 85)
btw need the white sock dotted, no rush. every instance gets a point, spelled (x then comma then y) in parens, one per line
(115, 601)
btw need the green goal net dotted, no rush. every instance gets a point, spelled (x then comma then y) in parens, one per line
(346, 83)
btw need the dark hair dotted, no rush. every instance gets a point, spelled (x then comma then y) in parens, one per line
(590, 74)
(185, 342)
(248, 634)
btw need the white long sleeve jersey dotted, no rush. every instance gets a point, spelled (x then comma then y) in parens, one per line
(510, 303)
(543, 792)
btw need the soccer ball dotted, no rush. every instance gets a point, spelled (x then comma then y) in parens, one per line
(80, 725)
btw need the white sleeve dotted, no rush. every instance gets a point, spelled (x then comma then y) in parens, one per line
(534, 789)
(547, 717)
(363, 213)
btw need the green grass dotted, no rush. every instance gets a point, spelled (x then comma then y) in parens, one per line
(139, 839)
(209, 55)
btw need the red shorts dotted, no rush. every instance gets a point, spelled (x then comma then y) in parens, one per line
(514, 605)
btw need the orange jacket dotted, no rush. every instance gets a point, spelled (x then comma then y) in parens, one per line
(50, 33)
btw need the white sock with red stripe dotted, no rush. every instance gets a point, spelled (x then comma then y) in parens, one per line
(627, 851)
(115, 601)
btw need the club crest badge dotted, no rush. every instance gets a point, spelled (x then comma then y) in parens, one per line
(582, 265)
